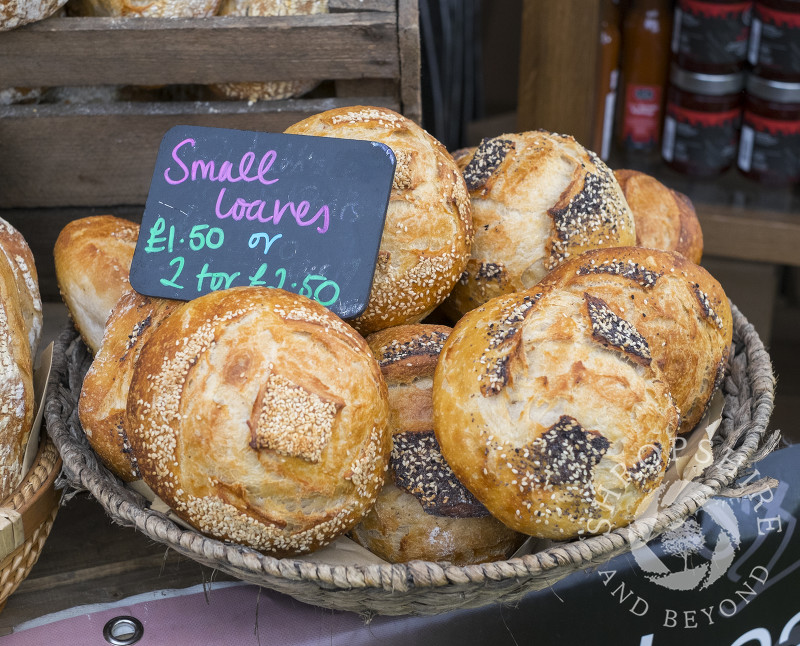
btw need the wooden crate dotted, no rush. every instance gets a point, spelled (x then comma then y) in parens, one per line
(62, 161)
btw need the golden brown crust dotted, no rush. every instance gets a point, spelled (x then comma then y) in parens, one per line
(260, 417)
(665, 219)
(678, 307)
(93, 261)
(145, 8)
(21, 261)
(15, 13)
(543, 415)
(537, 198)
(428, 229)
(423, 512)
(16, 381)
(104, 395)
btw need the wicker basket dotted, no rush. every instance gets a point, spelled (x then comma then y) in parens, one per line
(36, 501)
(418, 587)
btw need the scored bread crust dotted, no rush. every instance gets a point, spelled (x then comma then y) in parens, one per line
(428, 228)
(260, 417)
(665, 218)
(104, 394)
(537, 198)
(21, 261)
(145, 8)
(549, 409)
(16, 381)
(423, 512)
(15, 13)
(677, 306)
(93, 261)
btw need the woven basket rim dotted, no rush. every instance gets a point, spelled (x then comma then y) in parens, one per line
(394, 581)
(42, 473)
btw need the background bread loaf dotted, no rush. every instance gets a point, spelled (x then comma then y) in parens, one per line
(93, 263)
(665, 219)
(428, 228)
(537, 198)
(547, 406)
(15, 13)
(260, 417)
(423, 511)
(144, 8)
(269, 90)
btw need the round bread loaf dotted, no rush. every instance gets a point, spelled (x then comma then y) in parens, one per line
(549, 408)
(104, 394)
(260, 417)
(12, 95)
(428, 229)
(268, 90)
(16, 381)
(93, 262)
(537, 198)
(676, 305)
(144, 8)
(665, 219)
(20, 258)
(423, 512)
(15, 13)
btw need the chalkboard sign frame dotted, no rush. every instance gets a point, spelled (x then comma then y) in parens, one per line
(235, 207)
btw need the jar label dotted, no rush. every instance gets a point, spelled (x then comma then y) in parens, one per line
(777, 49)
(701, 142)
(712, 33)
(771, 148)
(641, 118)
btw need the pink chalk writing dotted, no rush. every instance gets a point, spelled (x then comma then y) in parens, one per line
(202, 169)
(242, 209)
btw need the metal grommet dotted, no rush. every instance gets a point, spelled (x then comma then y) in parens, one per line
(121, 631)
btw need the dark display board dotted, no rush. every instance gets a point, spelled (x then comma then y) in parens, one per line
(231, 207)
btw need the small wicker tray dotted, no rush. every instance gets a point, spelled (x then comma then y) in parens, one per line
(36, 501)
(422, 588)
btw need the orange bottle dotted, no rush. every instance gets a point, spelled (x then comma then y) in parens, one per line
(646, 34)
(608, 77)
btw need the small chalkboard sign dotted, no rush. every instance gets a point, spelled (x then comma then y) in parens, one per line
(232, 207)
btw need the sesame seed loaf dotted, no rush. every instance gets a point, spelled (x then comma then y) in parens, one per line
(423, 511)
(20, 259)
(260, 417)
(269, 90)
(144, 8)
(428, 229)
(677, 306)
(104, 395)
(665, 219)
(548, 407)
(537, 198)
(93, 261)
(14, 13)
(16, 380)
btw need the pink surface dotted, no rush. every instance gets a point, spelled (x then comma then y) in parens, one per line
(237, 614)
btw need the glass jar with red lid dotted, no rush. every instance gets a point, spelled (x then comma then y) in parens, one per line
(701, 125)
(769, 148)
(774, 50)
(711, 36)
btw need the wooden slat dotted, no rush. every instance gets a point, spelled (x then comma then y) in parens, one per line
(101, 51)
(750, 234)
(361, 5)
(410, 58)
(99, 154)
(558, 78)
